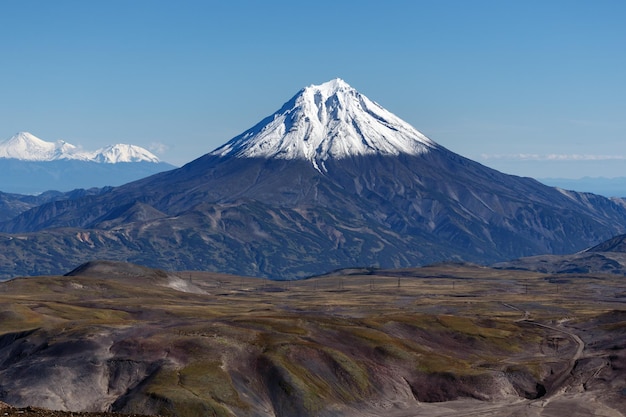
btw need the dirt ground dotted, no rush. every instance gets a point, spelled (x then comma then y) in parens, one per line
(8, 411)
(440, 341)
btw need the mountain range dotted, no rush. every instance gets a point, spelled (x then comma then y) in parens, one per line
(31, 165)
(27, 147)
(331, 180)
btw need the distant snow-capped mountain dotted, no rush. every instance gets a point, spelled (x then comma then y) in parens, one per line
(30, 165)
(123, 153)
(28, 147)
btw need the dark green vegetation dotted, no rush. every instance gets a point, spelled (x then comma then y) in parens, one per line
(424, 341)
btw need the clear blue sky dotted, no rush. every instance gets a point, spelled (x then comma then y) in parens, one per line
(533, 87)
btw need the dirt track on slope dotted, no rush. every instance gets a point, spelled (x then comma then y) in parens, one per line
(557, 383)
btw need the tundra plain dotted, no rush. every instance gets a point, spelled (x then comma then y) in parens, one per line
(443, 340)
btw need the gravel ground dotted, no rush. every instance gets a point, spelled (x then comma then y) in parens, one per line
(8, 411)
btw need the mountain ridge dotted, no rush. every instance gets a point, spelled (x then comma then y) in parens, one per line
(608, 257)
(287, 218)
(608, 187)
(28, 147)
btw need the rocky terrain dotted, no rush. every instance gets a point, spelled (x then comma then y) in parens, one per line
(8, 411)
(445, 340)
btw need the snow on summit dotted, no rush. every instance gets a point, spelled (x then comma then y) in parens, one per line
(123, 153)
(331, 120)
(28, 147)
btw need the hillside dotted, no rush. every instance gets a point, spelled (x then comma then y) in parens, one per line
(606, 257)
(435, 341)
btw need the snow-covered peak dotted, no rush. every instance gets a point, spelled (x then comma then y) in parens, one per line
(64, 150)
(331, 87)
(27, 147)
(123, 153)
(331, 120)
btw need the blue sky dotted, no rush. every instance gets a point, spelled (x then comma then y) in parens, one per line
(534, 88)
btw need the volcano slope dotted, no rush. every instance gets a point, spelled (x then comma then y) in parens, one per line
(330, 180)
(445, 340)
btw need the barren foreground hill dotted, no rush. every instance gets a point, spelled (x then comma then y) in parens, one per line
(446, 340)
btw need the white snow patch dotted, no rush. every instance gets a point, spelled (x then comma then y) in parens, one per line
(179, 284)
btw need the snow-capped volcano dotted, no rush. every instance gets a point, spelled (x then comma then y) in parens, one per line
(28, 147)
(123, 153)
(25, 146)
(330, 181)
(331, 120)
(30, 165)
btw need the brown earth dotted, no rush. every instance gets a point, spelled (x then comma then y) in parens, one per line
(8, 411)
(446, 340)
